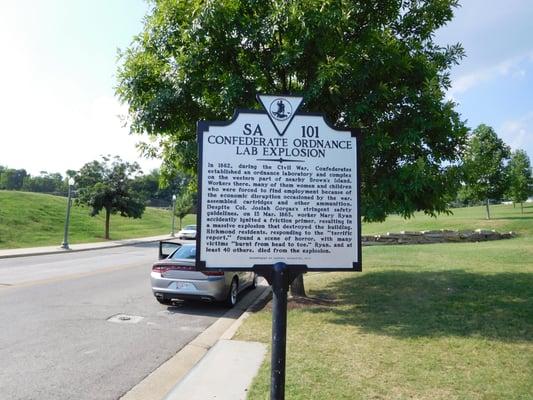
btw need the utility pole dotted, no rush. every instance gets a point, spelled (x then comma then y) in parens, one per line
(65, 245)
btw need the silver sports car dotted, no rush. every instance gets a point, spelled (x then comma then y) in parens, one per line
(174, 277)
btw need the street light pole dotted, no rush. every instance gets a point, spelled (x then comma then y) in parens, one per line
(173, 214)
(64, 245)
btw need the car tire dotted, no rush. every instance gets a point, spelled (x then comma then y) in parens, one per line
(233, 292)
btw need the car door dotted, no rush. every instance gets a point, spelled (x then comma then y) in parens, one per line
(166, 248)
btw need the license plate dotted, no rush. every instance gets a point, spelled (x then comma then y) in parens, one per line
(180, 285)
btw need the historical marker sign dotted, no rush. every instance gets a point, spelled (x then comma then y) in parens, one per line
(278, 186)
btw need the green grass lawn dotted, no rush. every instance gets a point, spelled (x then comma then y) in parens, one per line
(34, 219)
(504, 218)
(441, 321)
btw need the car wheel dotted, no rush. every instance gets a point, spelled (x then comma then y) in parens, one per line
(166, 302)
(231, 300)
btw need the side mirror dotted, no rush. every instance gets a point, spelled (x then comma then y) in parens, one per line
(167, 248)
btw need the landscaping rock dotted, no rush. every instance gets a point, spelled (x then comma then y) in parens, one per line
(434, 236)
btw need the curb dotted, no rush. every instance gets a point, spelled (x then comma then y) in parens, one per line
(93, 246)
(160, 383)
(259, 302)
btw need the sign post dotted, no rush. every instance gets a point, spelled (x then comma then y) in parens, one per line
(280, 286)
(278, 195)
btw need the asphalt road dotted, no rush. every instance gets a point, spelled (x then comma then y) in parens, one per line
(56, 340)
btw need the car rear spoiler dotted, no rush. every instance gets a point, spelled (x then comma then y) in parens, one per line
(166, 248)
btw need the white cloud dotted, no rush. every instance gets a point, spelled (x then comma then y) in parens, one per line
(489, 32)
(55, 113)
(42, 129)
(512, 68)
(518, 133)
(519, 73)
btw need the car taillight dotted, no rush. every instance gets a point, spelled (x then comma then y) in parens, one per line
(213, 273)
(170, 267)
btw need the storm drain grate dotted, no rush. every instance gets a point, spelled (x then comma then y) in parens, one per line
(125, 319)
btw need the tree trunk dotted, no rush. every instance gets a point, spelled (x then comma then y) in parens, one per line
(488, 211)
(522, 207)
(107, 218)
(297, 286)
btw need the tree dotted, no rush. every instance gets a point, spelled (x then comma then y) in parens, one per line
(158, 192)
(107, 185)
(372, 65)
(147, 186)
(484, 166)
(13, 179)
(520, 180)
(184, 205)
(2, 171)
(44, 183)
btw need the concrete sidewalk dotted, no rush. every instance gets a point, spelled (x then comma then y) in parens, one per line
(225, 372)
(35, 251)
(212, 366)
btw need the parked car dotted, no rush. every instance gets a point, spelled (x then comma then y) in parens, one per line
(174, 277)
(188, 232)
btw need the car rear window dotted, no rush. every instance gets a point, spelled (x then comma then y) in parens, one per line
(185, 252)
(190, 228)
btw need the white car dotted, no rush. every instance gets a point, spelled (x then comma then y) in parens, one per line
(188, 232)
(174, 277)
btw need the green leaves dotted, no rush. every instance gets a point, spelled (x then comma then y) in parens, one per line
(372, 65)
(107, 185)
(184, 205)
(520, 180)
(484, 165)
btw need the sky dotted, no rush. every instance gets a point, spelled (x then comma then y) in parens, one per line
(58, 108)
(494, 83)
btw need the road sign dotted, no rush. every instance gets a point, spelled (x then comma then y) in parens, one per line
(276, 186)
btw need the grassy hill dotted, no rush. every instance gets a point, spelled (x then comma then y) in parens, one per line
(35, 219)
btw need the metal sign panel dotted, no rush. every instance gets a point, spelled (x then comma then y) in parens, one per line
(278, 186)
